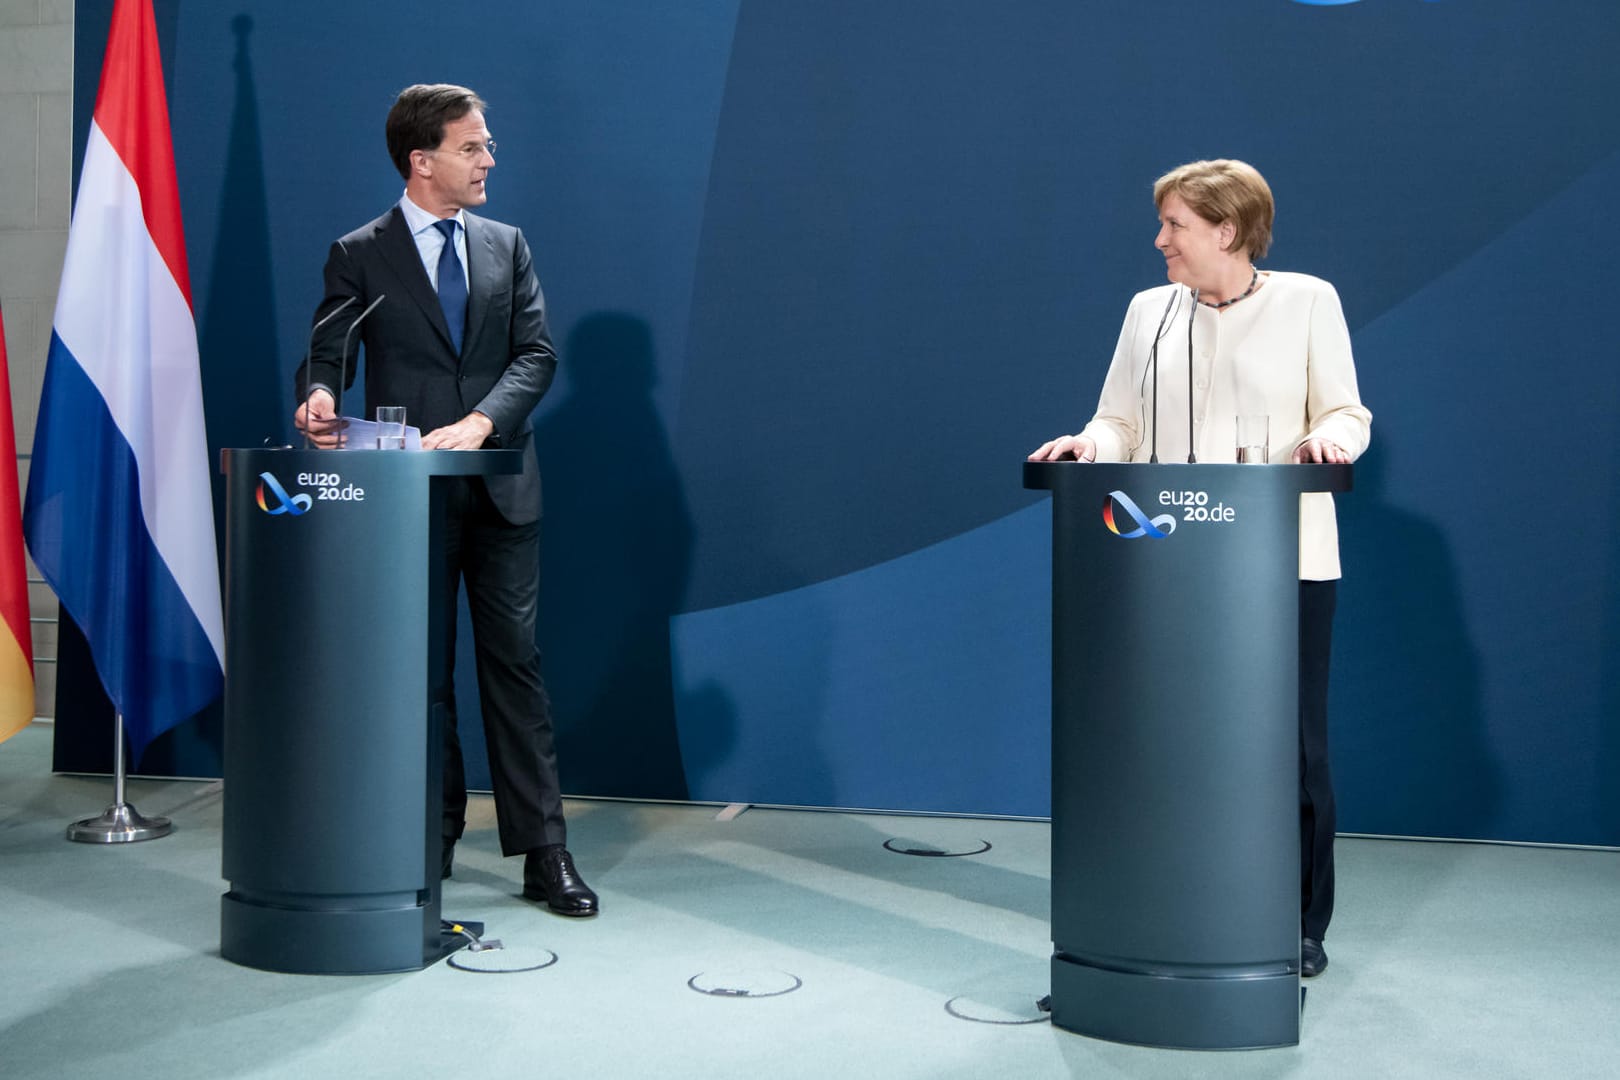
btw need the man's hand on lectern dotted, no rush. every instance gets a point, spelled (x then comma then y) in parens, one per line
(318, 418)
(468, 433)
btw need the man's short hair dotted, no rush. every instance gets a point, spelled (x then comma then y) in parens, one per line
(418, 118)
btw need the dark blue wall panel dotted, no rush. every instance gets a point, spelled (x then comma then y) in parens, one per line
(823, 273)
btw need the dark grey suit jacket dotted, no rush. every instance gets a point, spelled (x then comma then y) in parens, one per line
(506, 362)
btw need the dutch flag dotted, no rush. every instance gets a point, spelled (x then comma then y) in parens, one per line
(119, 516)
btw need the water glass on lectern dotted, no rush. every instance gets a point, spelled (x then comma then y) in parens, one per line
(390, 427)
(1253, 439)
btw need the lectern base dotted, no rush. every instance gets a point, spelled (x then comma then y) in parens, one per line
(373, 941)
(1234, 1012)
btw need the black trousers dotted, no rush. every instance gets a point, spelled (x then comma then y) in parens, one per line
(500, 565)
(1316, 812)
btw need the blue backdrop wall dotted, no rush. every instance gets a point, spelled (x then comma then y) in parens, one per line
(822, 274)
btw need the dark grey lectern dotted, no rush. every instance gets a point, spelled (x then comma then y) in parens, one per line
(1175, 760)
(333, 705)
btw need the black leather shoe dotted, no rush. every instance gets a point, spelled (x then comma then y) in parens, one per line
(1312, 958)
(549, 875)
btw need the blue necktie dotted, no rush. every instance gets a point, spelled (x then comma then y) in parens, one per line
(452, 284)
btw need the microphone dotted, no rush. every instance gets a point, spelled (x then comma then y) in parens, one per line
(343, 368)
(309, 354)
(1192, 458)
(1153, 358)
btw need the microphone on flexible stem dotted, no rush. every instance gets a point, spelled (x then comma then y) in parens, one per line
(309, 354)
(1192, 458)
(1153, 358)
(343, 367)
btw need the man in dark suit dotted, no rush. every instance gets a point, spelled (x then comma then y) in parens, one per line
(460, 340)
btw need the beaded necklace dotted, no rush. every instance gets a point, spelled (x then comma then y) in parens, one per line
(1253, 283)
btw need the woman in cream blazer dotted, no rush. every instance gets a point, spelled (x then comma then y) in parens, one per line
(1264, 343)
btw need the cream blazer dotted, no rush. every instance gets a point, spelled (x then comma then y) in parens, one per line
(1283, 352)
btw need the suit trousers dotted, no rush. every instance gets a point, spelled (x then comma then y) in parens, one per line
(500, 564)
(1317, 818)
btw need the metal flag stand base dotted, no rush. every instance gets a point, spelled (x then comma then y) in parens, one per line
(120, 823)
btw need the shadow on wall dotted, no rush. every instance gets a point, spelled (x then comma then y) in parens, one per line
(616, 553)
(239, 356)
(1607, 760)
(1408, 677)
(243, 395)
(753, 690)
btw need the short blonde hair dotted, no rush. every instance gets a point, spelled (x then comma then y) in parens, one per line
(1224, 190)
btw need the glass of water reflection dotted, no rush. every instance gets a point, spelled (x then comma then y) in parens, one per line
(1253, 439)
(390, 427)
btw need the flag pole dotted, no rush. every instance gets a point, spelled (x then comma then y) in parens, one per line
(120, 823)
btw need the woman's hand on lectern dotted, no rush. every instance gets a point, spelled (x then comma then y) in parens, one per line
(1066, 448)
(1321, 452)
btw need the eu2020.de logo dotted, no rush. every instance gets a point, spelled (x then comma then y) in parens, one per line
(279, 502)
(1158, 527)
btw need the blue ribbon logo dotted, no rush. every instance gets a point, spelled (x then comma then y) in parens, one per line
(1158, 527)
(294, 505)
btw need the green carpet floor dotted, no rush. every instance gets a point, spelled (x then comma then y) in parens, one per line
(1448, 960)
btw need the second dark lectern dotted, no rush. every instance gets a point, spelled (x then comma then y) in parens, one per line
(334, 692)
(1175, 750)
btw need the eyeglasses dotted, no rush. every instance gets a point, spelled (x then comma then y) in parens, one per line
(470, 151)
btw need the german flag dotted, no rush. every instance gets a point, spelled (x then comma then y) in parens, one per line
(16, 640)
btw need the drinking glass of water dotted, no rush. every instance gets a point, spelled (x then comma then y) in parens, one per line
(1253, 439)
(390, 427)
